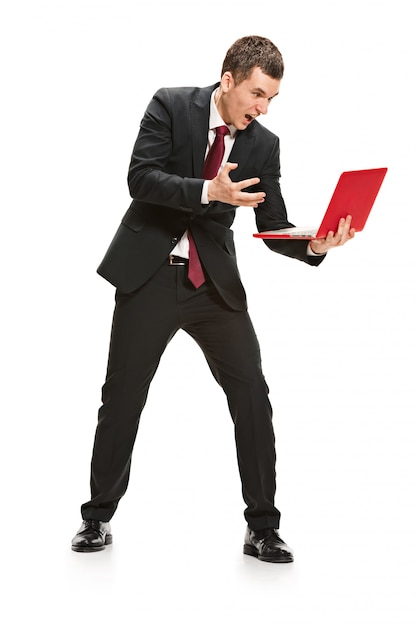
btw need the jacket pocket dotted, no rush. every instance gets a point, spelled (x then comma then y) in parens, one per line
(132, 220)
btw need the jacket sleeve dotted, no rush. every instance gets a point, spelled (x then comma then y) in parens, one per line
(272, 214)
(153, 159)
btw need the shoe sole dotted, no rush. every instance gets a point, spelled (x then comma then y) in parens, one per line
(251, 551)
(108, 540)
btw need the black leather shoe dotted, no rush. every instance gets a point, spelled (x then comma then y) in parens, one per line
(92, 536)
(267, 545)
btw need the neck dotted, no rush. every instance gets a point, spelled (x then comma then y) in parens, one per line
(218, 101)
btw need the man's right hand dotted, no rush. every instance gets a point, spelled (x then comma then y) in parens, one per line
(222, 189)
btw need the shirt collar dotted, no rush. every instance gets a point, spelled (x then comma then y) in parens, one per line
(215, 118)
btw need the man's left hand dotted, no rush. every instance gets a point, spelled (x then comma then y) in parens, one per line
(343, 234)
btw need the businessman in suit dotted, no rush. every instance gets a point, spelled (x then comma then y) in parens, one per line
(173, 264)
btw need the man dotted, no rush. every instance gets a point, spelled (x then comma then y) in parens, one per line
(173, 263)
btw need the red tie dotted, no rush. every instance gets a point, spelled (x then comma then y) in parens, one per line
(215, 154)
(211, 167)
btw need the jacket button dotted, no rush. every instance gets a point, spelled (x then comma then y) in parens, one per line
(174, 240)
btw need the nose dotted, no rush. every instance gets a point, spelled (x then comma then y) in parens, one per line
(262, 106)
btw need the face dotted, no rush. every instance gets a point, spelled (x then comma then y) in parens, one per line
(241, 104)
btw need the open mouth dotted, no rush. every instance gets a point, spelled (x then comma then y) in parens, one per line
(249, 117)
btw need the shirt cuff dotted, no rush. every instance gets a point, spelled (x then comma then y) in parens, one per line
(204, 193)
(310, 251)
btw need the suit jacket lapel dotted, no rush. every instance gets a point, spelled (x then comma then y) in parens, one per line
(241, 151)
(200, 114)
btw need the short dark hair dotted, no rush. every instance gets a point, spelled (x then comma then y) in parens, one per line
(250, 52)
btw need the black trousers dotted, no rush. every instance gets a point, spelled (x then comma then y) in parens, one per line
(143, 324)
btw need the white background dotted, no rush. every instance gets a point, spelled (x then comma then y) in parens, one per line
(338, 342)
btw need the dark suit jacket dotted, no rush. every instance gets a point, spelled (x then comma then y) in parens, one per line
(165, 184)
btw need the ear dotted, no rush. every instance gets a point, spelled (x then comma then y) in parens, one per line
(227, 81)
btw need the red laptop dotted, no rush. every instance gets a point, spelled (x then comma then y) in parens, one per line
(354, 195)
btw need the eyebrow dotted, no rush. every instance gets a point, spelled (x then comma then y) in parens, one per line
(260, 90)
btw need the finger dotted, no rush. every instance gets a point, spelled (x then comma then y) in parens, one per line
(341, 226)
(344, 226)
(228, 167)
(344, 233)
(348, 232)
(256, 196)
(248, 182)
(249, 199)
(242, 184)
